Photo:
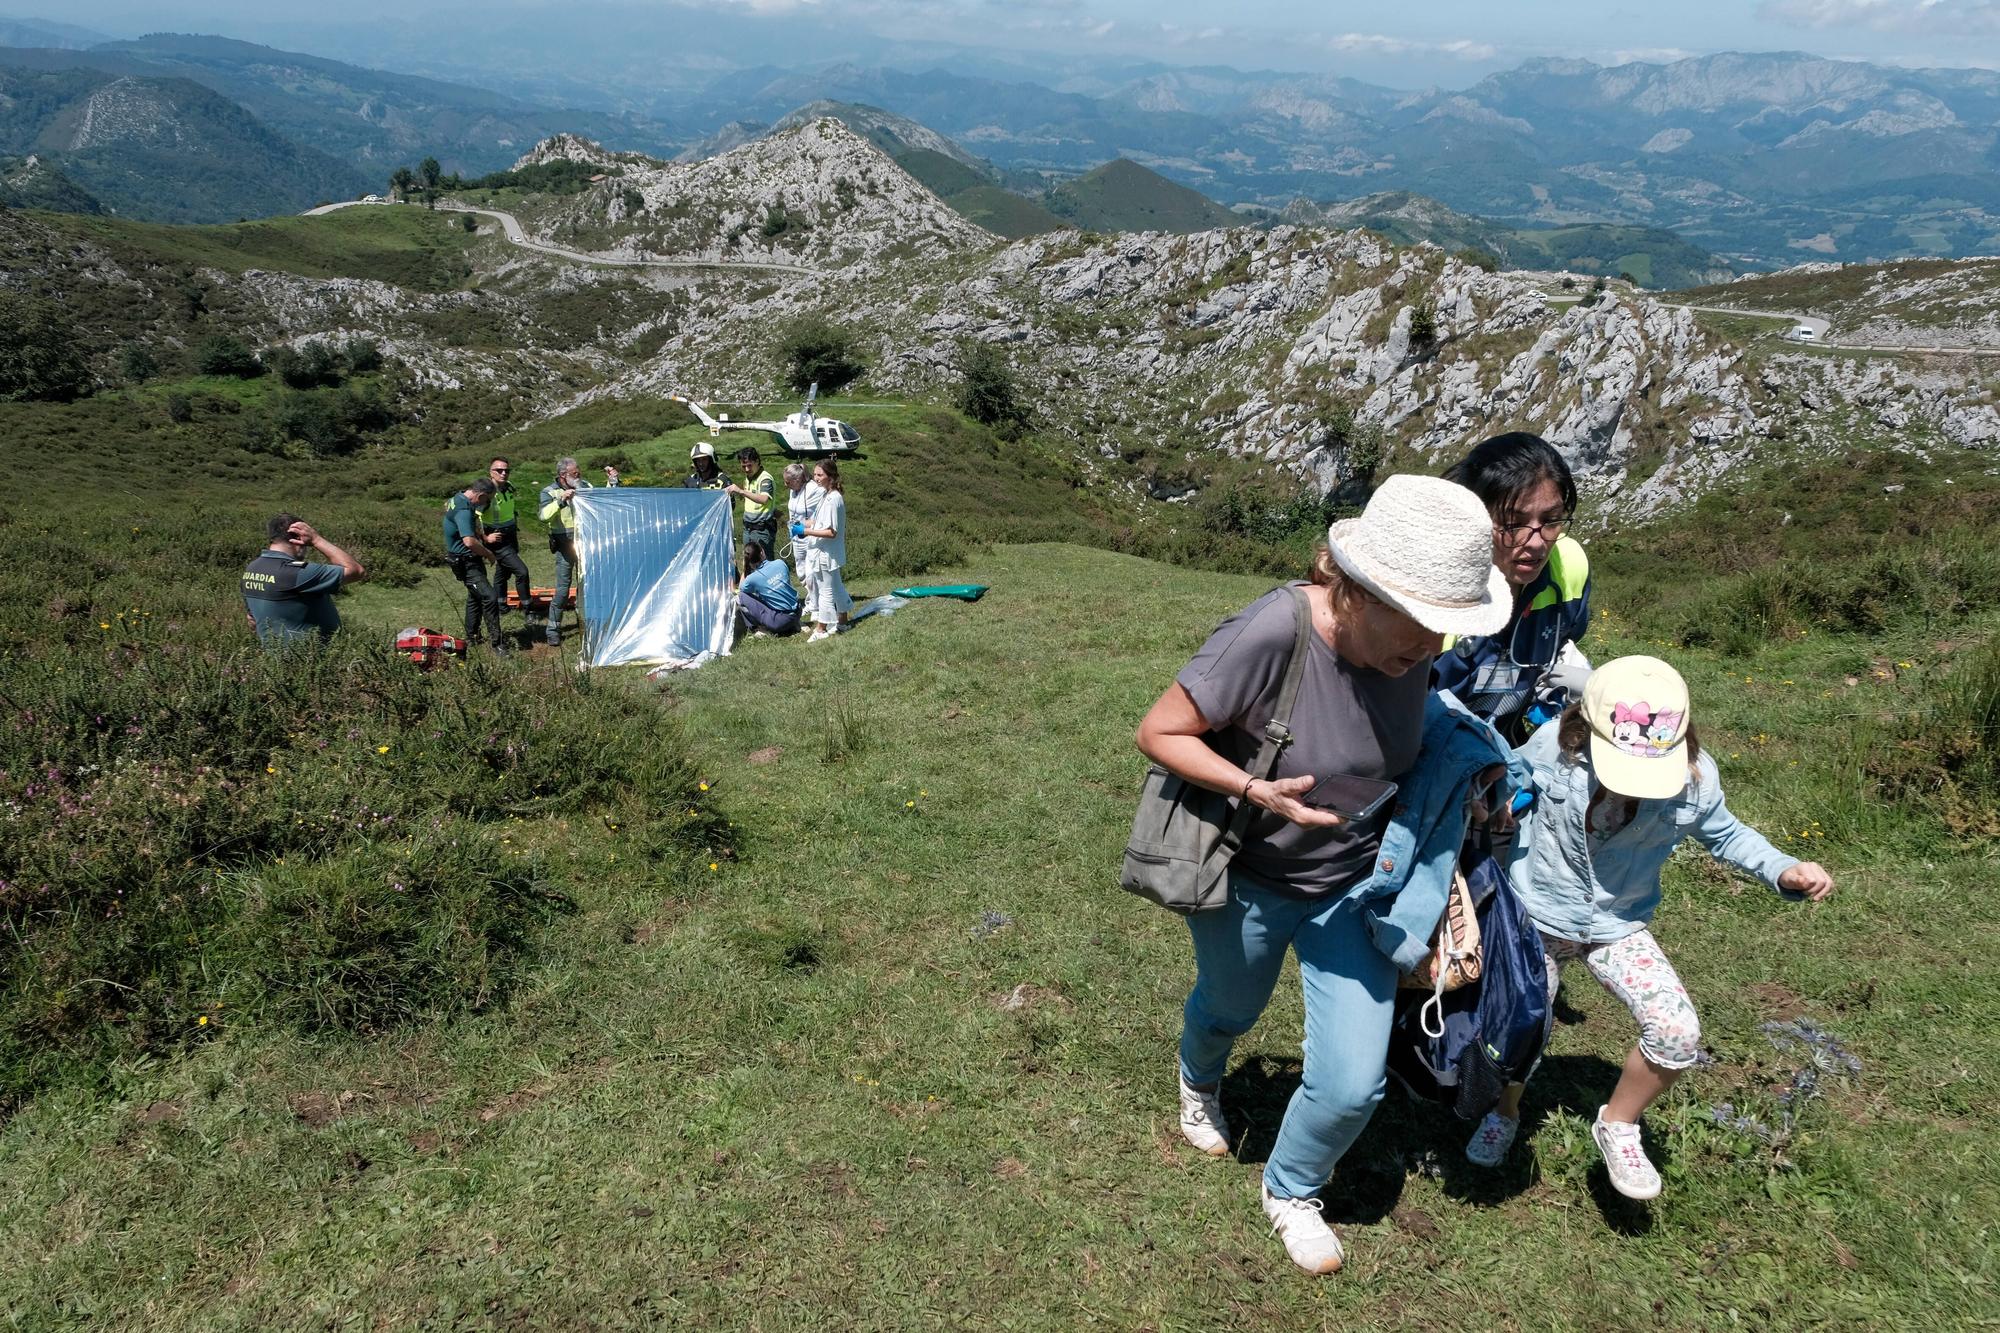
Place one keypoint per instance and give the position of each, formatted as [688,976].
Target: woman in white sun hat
[1384,590]
[1619,781]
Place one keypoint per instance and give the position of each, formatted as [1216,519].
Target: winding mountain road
[1820,329]
[510,227]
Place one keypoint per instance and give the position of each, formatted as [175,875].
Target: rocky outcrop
[1897,403]
[817,194]
[1284,346]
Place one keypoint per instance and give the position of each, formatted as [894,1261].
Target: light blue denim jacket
[1590,890]
[1405,895]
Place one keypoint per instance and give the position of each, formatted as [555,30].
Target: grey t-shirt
[1347,719]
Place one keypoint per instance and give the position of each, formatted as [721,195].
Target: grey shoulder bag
[1184,836]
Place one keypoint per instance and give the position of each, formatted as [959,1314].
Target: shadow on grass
[1408,1136]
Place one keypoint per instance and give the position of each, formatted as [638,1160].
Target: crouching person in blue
[765,599]
[288,598]
[1355,901]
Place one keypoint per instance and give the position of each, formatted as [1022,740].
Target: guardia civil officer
[760,513]
[503,535]
[289,598]
[469,553]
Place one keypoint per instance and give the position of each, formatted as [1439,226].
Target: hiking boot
[1308,1239]
[502,650]
[1202,1124]
[1632,1172]
[1491,1140]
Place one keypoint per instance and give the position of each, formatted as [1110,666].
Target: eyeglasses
[1548,529]
[499,469]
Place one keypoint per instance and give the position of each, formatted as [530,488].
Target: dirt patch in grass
[1776,1000]
[1028,995]
[319,1109]
[513,1103]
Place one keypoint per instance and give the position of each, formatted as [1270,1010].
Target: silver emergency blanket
[655,583]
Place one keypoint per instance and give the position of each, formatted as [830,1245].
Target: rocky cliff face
[818,195]
[1274,345]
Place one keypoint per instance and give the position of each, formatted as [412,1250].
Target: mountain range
[1762,159]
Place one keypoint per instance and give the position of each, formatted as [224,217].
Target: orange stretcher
[539,599]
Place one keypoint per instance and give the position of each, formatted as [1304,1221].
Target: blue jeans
[1349,990]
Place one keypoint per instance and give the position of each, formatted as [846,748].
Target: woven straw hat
[1424,545]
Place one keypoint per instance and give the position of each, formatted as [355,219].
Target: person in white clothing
[804,497]
[827,530]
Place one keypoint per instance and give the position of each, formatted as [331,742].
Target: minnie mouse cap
[1637,708]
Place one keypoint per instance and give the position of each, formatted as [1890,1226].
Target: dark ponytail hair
[1502,469]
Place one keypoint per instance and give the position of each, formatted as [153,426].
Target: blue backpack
[1493,1029]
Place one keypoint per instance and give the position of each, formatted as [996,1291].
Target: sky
[1449,43]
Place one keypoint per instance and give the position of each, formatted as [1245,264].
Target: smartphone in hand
[1350,797]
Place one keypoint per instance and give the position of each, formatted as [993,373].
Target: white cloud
[1380,44]
[1649,55]
[1963,17]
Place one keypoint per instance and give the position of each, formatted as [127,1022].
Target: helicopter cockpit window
[848,435]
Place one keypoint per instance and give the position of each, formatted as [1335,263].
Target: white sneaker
[1491,1140]
[1308,1239]
[817,636]
[1202,1124]
[1632,1172]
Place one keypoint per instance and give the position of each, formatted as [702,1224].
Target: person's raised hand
[1808,878]
[302,532]
[1282,798]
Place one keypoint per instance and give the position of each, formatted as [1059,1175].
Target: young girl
[1619,781]
[828,530]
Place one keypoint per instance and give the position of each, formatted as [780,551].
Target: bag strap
[1277,735]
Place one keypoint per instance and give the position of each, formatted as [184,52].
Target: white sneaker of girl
[1202,1124]
[1308,1239]
[1632,1172]
[1491,1140]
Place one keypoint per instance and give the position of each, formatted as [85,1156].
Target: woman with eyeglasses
[1523,675]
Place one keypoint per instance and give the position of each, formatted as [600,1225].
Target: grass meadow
[799,991]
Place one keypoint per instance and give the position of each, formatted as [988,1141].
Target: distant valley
[1759,160]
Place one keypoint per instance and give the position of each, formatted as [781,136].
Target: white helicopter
[799,433]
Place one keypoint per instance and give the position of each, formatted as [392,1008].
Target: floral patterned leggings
[1638,973]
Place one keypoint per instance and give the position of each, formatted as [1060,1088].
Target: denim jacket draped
[1405,894]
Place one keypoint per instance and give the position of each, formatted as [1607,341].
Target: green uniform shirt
[460,522]
[499,511]
[757,511]
[290,599]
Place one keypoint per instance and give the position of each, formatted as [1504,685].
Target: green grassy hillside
[1915,293]
[28,182]
[1651,256]
[338,994]
[166,149]
[1121,195]
[842,991]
